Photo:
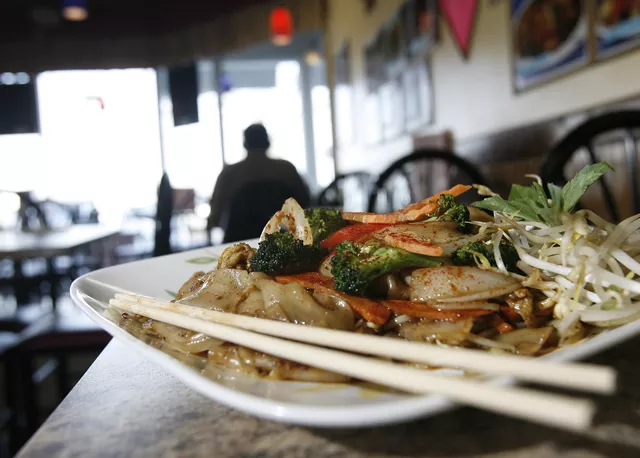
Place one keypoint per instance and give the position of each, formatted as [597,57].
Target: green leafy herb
[203,260]
[574,189]
[531,203]
[173,294]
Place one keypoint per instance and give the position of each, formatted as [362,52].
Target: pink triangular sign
[460,15]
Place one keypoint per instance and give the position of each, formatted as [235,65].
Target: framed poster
[418,96]
[372,125]
[549,40]
[393,46]
[420,26]
[412,105]
[616,27]
[344,97]
[392,108]
[374,62]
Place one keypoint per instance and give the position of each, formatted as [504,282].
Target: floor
[48,398]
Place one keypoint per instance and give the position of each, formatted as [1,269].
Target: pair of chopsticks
[283,340]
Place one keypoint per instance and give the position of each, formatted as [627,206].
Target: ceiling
[25,20]
[301,43]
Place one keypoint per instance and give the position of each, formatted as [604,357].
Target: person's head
[256,139]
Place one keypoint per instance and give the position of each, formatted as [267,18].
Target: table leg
[29,396]
[62,375]
[11,380]
[20,290]
[53,282]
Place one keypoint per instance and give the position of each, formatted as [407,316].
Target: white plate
[312,404]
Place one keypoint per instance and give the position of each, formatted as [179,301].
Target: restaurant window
[100,139]
[322,134]
[264,92]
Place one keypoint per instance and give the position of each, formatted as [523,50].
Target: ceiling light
[313,58]
[75,10]
[22,78]
[8,78]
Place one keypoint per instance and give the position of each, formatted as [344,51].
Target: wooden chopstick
[548,409]
[586,377]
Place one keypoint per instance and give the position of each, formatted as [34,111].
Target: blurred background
[118,116]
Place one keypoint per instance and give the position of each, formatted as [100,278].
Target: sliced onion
[627,261]
[292,218]
[488,343]
[185,340]
[615,317]
[527,341]
[488,294]
[459,284]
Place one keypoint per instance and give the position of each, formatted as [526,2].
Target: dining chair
[348,191]
[611,137]
[43,350]
[419,175]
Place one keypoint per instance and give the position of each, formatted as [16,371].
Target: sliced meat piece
[446,332]
[422,237]
[521,301]
[430,311]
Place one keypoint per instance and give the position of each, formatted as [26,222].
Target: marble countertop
[125,406]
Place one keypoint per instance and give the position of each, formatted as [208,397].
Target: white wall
[475,97]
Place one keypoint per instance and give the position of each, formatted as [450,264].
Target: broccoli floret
[466,255]
[280,253]
[450,210]
[355,266]
[324,222]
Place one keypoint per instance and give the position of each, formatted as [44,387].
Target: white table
[19,245]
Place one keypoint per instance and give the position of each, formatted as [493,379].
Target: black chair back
[592,137]
[419,175]
[164,213]
[349,191]
[248,211]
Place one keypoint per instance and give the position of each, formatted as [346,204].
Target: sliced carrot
[409,213]
[408,216]
[501,325]
[420,310]
[456,191]
[308,279]
[412,243]
[352,232]
[510,314]
[368,309]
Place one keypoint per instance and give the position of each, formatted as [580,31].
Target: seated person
[257,168]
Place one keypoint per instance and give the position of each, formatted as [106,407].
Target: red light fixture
[281,26]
